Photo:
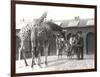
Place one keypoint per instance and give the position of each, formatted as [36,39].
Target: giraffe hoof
[34,63]
[40,66]
[31,66]
[46,64]
[26,64]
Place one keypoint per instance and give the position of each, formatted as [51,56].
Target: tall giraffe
[27,32]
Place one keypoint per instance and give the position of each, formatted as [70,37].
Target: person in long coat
[80,45]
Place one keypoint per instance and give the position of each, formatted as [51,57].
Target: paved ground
[55,64]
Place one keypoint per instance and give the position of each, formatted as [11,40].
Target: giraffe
[26,33]
[50,30]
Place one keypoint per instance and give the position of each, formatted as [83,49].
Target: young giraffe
[26,33]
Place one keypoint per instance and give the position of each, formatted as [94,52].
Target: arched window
[90,43]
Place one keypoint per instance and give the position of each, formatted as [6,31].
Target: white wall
[5,38]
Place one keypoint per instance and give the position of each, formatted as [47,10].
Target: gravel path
[55,65]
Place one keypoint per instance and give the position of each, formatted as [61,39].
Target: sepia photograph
[54,38]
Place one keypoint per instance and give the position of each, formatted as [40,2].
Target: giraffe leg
[39,54]
[58,55]
[33,55]
[46,52]
[23,53]
[20,49]
[61,54]
[39,60]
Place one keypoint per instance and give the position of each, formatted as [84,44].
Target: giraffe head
[44,15]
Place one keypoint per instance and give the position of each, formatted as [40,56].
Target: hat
[79,32]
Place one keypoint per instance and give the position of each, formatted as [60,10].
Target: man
[73,45]
[80,45]
[70,45]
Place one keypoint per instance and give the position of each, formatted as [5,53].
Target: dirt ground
[55,65]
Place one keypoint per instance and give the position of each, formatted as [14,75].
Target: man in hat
[80,45]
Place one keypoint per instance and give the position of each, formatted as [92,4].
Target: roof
[73,23]
[77,23]
[90,22]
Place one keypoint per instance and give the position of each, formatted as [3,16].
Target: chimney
[77,18]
